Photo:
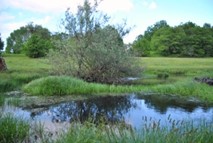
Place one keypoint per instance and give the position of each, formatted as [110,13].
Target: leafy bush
[92,50]
[37,47]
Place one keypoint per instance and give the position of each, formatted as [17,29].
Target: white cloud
[152,5]
[42,6]
[7,28]
[112,6]
[50,10]
[4,16]
[149,4]
[55,6]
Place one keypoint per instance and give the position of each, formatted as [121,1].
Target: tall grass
[179,132]
[13,130]
[64,85]
[2,98]
[186,88]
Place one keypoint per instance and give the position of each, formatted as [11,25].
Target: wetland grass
[2,99]
[64,85]
[161,75]
[21,70]
[13,130]
[178,131]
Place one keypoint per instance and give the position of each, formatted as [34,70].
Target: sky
[139,14]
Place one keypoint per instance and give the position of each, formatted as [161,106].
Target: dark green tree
[186,40]
[36,46]
[2,61]
[152,29]
[142,45]
[1,44]
[207,25]
[18,37]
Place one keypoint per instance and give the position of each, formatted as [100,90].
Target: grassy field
[179,66]
[161,75]
[21,70]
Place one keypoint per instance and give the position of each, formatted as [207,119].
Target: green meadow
[166,76]
[160,75]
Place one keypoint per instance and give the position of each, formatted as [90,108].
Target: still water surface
[132,109]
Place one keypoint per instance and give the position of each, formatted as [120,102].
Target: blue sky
[139,13]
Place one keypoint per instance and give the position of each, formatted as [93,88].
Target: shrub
[92,50]
[37,47]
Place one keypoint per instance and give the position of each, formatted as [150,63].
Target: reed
[13,130]
[151,132]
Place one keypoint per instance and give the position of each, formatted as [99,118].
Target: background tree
[93,49]
[142,45]
[185,40]
[37,47]
[1,44]
[19,37]
[2,61]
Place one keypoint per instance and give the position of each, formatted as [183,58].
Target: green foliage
[84,133]
[181,71]
[63,85]
[186,88]
[19,37]
[142,45]
[93,50]
[2,99]
[13,130]
[1,44]
[185,40]
[21,70]
[37,47]
[163,75]
[180,131]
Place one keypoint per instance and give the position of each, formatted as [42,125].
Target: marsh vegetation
[88,83]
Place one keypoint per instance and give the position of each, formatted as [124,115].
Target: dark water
[130,109]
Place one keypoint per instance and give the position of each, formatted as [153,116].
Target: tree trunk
[3,65]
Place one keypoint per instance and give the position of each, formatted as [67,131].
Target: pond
[134,110]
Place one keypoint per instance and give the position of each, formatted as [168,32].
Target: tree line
[184,40]
[33,40]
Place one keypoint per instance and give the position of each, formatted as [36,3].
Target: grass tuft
[13,130]
[150,133]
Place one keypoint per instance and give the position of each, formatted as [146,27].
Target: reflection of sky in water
[136,116]
[131,109]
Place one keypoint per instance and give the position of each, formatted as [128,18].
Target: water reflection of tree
[161,103]
[110,109]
